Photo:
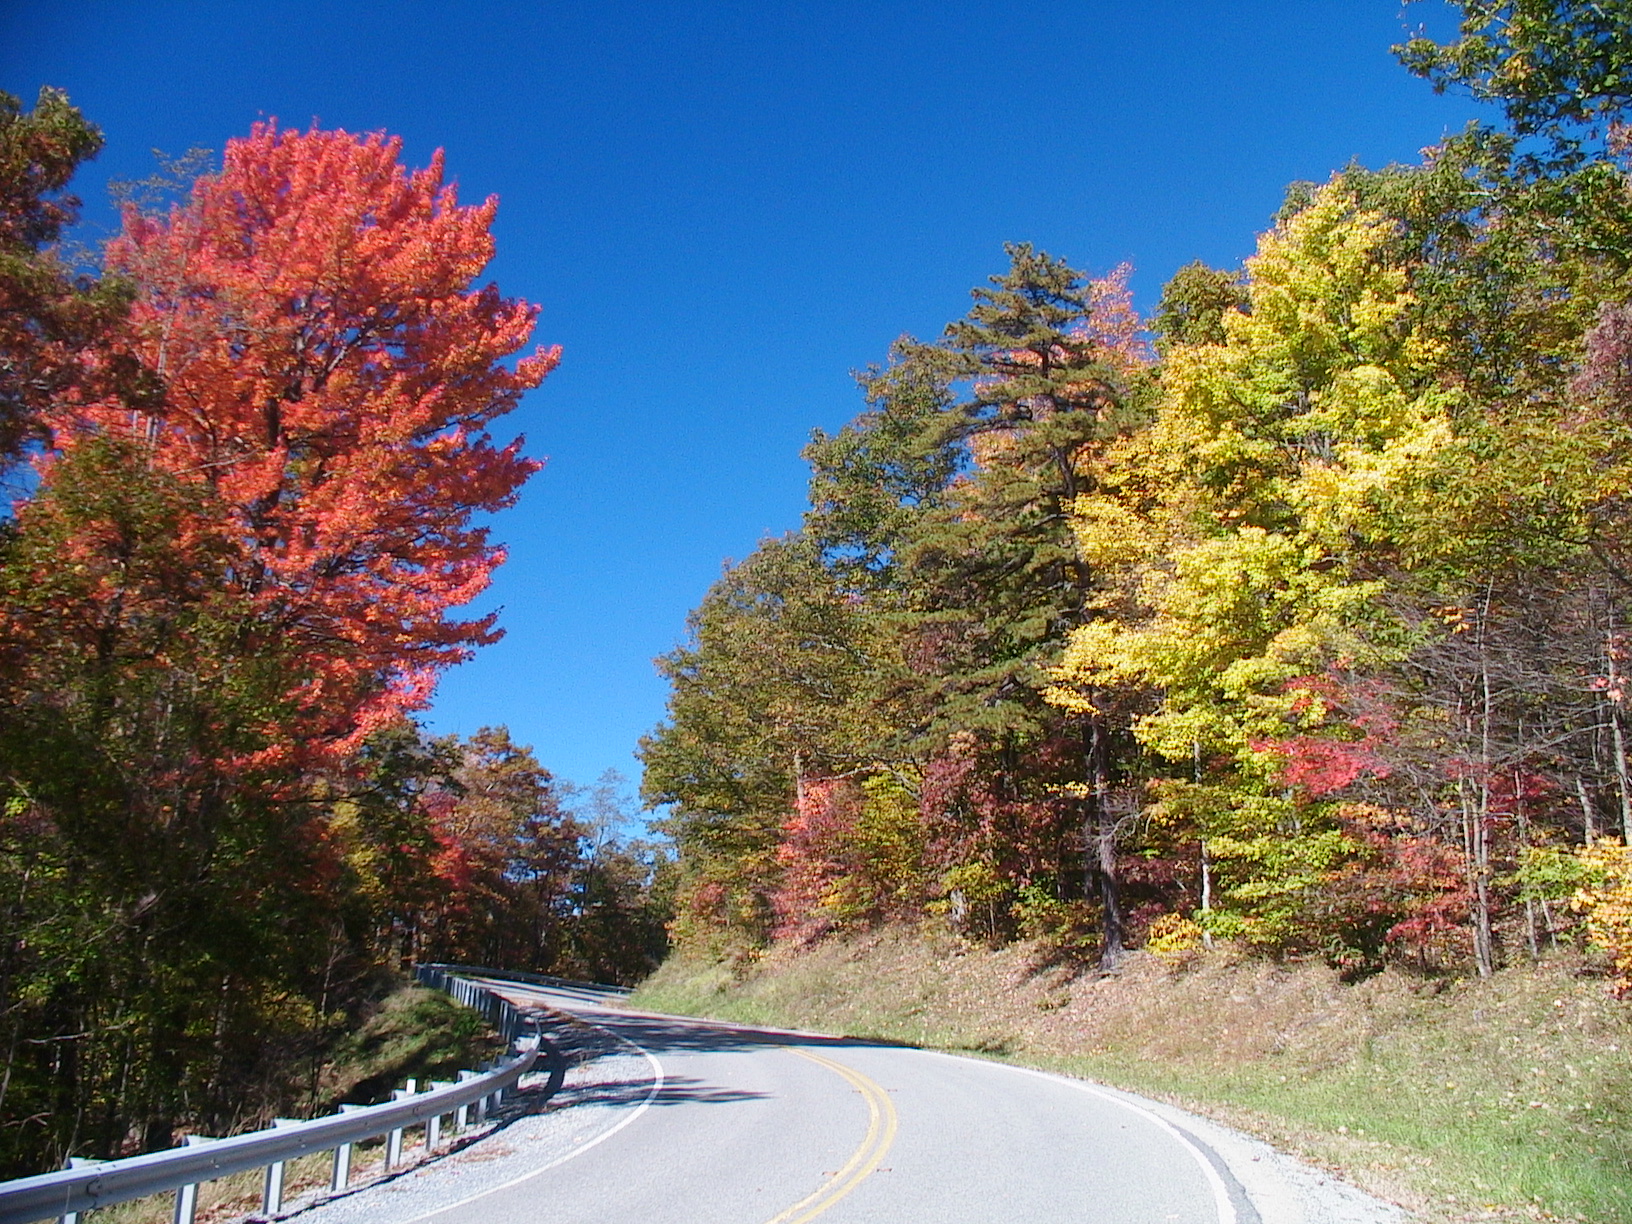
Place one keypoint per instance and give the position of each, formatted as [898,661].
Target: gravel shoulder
[604,1083]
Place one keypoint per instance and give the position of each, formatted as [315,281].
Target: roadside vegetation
[244,462]
[1505,1098]
[1229,703]
[408,1033]
[1295,615]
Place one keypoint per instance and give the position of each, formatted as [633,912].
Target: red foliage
[1321,767]
[330,375]
[1115,327]
[1012,814]
[1432,875]
[1404,892]
[1606,374]
[1361,724]
[814,855]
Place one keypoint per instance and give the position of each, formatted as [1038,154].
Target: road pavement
[662,1120]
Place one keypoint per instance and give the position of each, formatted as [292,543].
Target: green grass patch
[415,1033]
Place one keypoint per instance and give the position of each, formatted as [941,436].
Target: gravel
[1282,1190]
[604,1084]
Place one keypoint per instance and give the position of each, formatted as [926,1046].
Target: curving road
[663,1120]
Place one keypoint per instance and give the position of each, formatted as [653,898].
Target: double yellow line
[881,1123]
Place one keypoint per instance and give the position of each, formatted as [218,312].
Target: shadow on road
[676,1090]
[660,1033]
[574,1043]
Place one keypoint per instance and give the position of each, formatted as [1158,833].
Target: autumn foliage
[1294,621]
[331,370]
[262,460]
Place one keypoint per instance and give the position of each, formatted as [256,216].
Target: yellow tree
[1252,527]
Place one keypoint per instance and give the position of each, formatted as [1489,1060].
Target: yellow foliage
[1234,534]
[1607,903]
[1110,536]
[1174,938]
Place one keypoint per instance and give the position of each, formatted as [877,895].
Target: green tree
[1047,369]
[1560,71]
[50,319]
[781,681]
[195,888]
[1194,304]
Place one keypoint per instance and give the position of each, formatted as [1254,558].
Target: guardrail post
[342,1159]
[75,1162]
[433,1124]
[393,1141]
[461,1116]
[272,1190]
[187,1196]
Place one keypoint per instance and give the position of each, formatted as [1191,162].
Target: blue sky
[723,209]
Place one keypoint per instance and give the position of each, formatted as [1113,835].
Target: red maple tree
[330,372]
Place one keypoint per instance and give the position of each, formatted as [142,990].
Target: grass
[1505,1099]
[415,1033]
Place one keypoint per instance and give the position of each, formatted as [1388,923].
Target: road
[690,1122]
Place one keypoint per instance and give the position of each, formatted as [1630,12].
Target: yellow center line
[881,1123]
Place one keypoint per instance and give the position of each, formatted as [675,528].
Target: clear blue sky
[725,208]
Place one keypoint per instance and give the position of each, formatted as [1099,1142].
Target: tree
[510,855]
[330,375]
[1194,304]
[783,680]
[216,591]
[1560,71]
[1050,366]
[934,579]
[1244,535]
[50,320]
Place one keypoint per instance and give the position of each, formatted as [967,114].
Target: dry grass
[238,1196]
[1509,1099]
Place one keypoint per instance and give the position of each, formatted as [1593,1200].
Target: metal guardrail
[516,975]
[500,1011]
[89,1184]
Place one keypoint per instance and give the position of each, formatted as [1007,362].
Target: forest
[1296,616]
[248,459]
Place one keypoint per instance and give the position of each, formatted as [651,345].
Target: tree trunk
[1476,816]
[1619,737]
[1101,845]
[1589,828]
[1476,849]
[1617,732]
[1206,892]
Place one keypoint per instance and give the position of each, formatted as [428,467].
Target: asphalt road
[707,1123]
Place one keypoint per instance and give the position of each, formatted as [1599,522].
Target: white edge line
[657,1086]
[1221,1192]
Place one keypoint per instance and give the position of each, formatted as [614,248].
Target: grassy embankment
[413,1033]
[1507,1099]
